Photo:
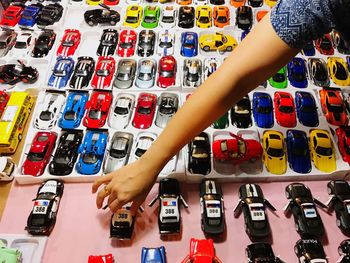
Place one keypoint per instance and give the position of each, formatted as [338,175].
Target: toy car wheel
[340,251]
[287,195]
[206,48]
[91,23]
[297,228]
[296,250]
[112,23]
[338,222]
[229,49]
[20,137]
[329,190]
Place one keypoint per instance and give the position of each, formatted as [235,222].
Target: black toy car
[344,251]
[255,3]
[217,2]
[212,208]
[241,113]
[101,16]
[49,15]
[145,46]
[169,217]
[82,73]
[66,153]
[252,203]
[44,44]
[261,252]
[308,222]
[244,17]
[14,73]
[42,218]
[309,251]
[108,42]
[340,43]
[186,17]
[339,191]
[199,154]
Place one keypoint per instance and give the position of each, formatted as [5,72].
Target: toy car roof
[209,187]
[250,191]
[169,186]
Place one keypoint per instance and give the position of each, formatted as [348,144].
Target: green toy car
[222,122]
[9,255]
[279,80]
[151,16]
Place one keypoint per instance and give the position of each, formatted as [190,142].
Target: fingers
[135,205]
[115,205]
[102,194]
[102,180]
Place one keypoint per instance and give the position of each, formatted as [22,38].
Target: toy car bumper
[169,228]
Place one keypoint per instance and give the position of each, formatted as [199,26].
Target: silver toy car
[7,41]
[318,72]
[143,142]
[192,73]
[125,75]
[168,105]
[120,116]
[7,166]
[146,73]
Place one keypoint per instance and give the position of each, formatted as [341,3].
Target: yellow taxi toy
[274,155]
[203,16]
[338,71]
[217,41]
[133,16]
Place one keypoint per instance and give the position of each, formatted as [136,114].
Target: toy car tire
[206,48]
[112,23]
[229,49]
[340,251]
[91,23]
[20,137]
[338,222]
[287,194]
[329,190]
[297,228]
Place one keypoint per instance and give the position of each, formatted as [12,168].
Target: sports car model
[338,71]
[125,74]
[306,109]
[244,17]
[343,134]
[217,41]
[39,153]
[7,41]
[261,13]
[168,16]
[274,155]
[184,2]
[122,223]
[101,16]
[221,16]
[318,72]
[261,252]
[103,73]
[118,153]
[333,107]
[69,43]
[151,16]
[121,114]
[146,73]
[262,110]
[297,73]
[7,167]
[284,109]
[298,151]
[217,2]
[166,42]
[11,15]
[309,49]
[146,43]
[255,3]
[169,196]
[30,15]
[97,109]
[43,216]
[324,45]
[199,155]
[186,17]
[144,111]
[24,44]
[49,15]
[91,151]
[203,16]
[279,80]
[309,251]
[61,72]
[303,207]
[340,43]
[4,97]
[74,110]
[344,251]
[101,259]
[44,44]
[127,43]
[189,44]
[13,73]
[210,66]
[237,3]
[149,255]
[222,122]
[167,68]
[82,73]
[192,73]
[168,105]
[133,16]
[201,250]
[143,141]
[241,113]
[108,42]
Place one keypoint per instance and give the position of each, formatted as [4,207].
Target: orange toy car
[237,3]
[221,16]
[333,107]
[260,15]
[184,2]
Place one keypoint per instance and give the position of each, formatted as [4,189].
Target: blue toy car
[189,44]
[92,151]
[262,110]
[61,72]
[244,34]
[298,151]
[306,109]
[153,255]
[74,110]
[348,62]
[297,73]
[29,15]
[309,49]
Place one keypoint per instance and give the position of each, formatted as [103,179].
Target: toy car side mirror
[319,203]
[269,205]
[183,201]
[153,201]
[287,208]
[238,209]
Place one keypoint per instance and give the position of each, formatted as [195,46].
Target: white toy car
[146,73]
[143,142]
[49,111]
[166,42]
[200,2]
[210,66]
[168,17]
[7,166]
[24,44]
[121,114]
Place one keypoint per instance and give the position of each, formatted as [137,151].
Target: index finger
[102,180]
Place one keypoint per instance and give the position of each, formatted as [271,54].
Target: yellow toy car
[338,71]
[274,155]
[322,151]
[94,2]
[217,41]
[271,3]
[203,16]
[133,16]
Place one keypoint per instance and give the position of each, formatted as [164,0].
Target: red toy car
[101,259]
[343,134]
[166,72]
[236,149]
[127,42]
[111,2]
[97,109]
[285,109]
[324,45]
[69,43]
[4,97]
[11,16]
[39,154]
[333,107]
[103,73]
[145,109]
[201,251]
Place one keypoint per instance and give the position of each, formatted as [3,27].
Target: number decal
[169,211]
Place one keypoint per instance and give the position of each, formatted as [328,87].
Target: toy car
[144,140]
[186,17]
[11,15]
[274,155]
[30,15]
[189,44]
[217,2]
[13,73]
[221,16]
[69,43]
[237,3]
[166,42]
[149,255]
[217,41]
[333,107]
[74,110]
[318,72]
[203,16]
[4,97]
[255,3]
[24,44]
[146,43]
[169,196]
[340,43]
[279,80]
[8,254]
[338,71]
[244,17]
[127,43]
[7,167]
[199,155]
[168,16]
[284,109]
[184,2]
[91,151]
[44,44]
[43,216]
[297,73]
[121,114]
[101,16]
[309,49]
[298,151]
[324,45]
[241,113]
[146,73]
[108,42]
[306,109]
[302,205]
[168,105]
[151,16]
[133,16]
[97,109]
[61,72]
[144,111]
[201,250]
[310,250]
[262,110]
[7,41]
[104,72]
[344,251]
[49,15]
[101,259]
[82,73]
[210,66]
[222,122]
[122,223]
[167,68]
[192,73]
[125,74]
[261,13]
[343,135]
[261,252]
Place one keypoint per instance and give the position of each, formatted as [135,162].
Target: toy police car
[344,251]
[261,252]
[310,251]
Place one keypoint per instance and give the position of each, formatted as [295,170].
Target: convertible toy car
[151,16]
[261,252]
[39,153]
[166,42]
[302,205]
[210,66]
[24,44]
[127,43]
[318,72]
[340,43]
[43,216]
[274,155]
[101,259]
[133,16]
[217,41]
[4,97]
[146,43]
[201,250]
[104,72]
[125,74]
[149,255]
[203,16]
[241,113]
[262,110]
[143,141]
[13,73]
[108,42]
[212,204]
[44,44]
[101,16]
[97,109]
[333,107]
[69,43]
[297,73]
[244,17]
[30,15]
[169,217]
[11,15]
[221,16]
[49,15]
[252,203]
[306,109]
[146,73]
[168,105]
[343,134]
[91,151]
[189,44]
[144,111]
[167,68]
[192,73]
[121,114]
[338,71]
[168,16]
[279,80]
[324,45]
[7,41]
[298,152]
[82,73]
[199,155]
[344,251]
[186,17]
[309,251]
[284,109]
[7,167]
[61,72]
